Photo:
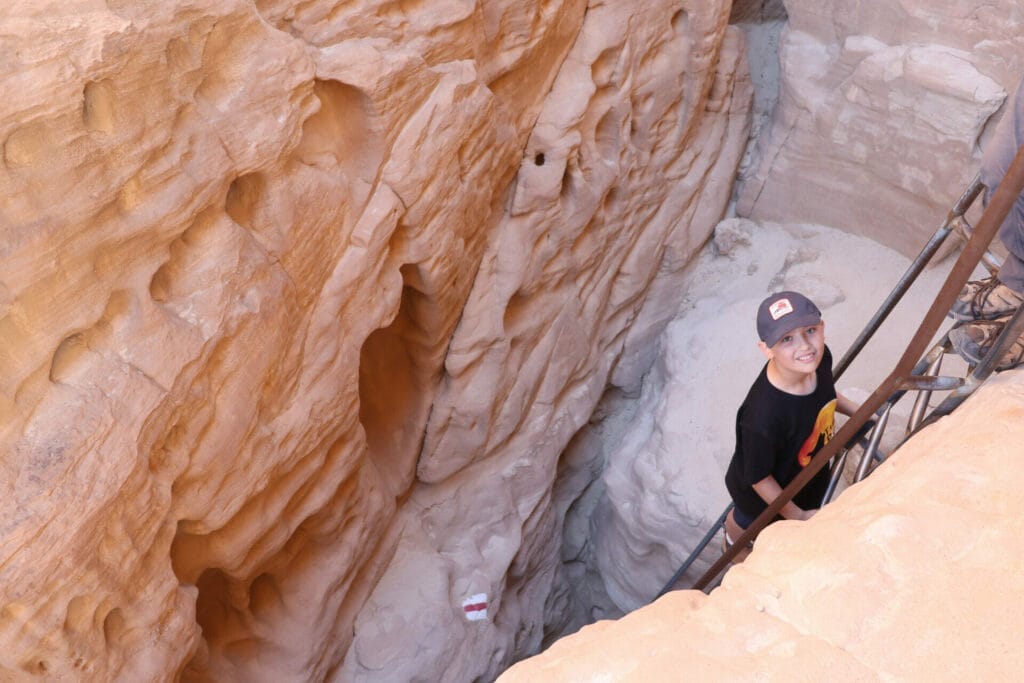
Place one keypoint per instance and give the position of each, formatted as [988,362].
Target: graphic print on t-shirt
[824,427]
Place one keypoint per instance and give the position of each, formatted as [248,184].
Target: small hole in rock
[539,159]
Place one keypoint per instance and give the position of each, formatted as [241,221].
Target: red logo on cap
[780,308]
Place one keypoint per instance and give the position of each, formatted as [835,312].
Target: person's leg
[733,530]
[989,306]
[1011,273]
[972,340]
[992,297]
[998,296]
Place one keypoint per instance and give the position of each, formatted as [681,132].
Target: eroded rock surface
[579,275]
[301,302]
[887,101]
[913,574]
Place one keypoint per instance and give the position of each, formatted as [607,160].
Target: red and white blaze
[475,607]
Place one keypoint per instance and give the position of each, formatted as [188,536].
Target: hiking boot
[974,339]
[986,299]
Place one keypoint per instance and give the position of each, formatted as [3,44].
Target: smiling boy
[787,416]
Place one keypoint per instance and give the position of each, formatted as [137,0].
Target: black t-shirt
[778,433]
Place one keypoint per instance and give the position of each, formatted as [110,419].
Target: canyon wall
[302,301]
[911,575]
[882,100]
[876,133]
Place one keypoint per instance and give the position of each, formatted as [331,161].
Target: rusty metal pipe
[834,476]
[994,215]
[921,404]
[928,383]
[963,230]
[967,198]
[696,552]
[911,274]
[872,450]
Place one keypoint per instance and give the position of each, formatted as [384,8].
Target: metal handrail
[923,397]
[952,222]
[876,440]
[963,230]
[696,552]
[863,436]
[1002,200]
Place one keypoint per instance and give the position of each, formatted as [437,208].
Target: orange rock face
[913,574]
[300,303]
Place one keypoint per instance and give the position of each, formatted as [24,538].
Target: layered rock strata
[301,302]
[882,100]
[913,574]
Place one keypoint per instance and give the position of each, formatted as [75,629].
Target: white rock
[881,109]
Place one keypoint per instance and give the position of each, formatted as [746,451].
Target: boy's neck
[797,383]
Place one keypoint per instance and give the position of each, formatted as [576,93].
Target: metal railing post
[696,552]
[876,439]
[1001,202]
[911,274]
[923,397]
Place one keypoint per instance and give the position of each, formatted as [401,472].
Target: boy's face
[799,350]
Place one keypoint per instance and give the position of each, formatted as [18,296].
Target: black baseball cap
[783,312]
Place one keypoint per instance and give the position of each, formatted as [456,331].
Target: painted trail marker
[475,607]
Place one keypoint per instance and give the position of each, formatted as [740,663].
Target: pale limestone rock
[913,574]
[731,234]
[816,286]
[885,101]
[256,255]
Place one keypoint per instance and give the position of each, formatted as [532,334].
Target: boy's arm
[769,489]
[845,405]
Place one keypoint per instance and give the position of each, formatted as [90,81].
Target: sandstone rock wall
[887,101]
[623,176]
[300,303]
[912,575]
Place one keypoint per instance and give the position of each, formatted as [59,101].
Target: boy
[787,416]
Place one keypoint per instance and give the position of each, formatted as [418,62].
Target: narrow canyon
[393,340]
